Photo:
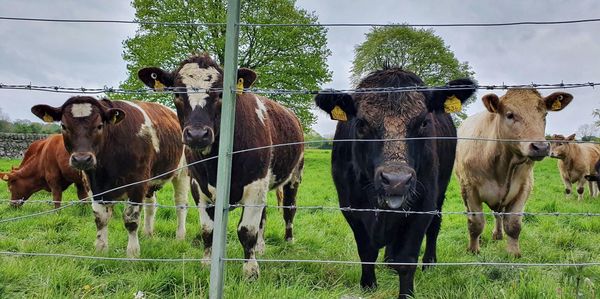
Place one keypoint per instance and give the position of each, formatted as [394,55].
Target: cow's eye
[99,127]
[62,127]
[425,123]
[510,115]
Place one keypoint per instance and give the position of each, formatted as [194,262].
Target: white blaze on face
[146,128]
[202,79]
[261,111]
[81,110]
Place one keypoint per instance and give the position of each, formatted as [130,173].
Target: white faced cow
[501,173]
[118,143]
[259,122]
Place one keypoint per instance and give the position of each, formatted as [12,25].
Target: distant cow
[259,122]
[393,175]
[118,143]
[45,166]
[501,173]
[595,177]
[575,161]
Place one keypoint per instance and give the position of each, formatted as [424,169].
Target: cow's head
[83,122]
[560,147]
[521,115]
[198,83]
[390,168]
[20,188]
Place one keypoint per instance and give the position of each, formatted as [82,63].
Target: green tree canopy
[283,57]
[416,50]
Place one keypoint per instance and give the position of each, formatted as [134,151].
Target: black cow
[260,122]
[393,175]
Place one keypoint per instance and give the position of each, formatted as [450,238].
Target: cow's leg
[207,216]
[433,230]
[83,192]
[290,191]
[568,186]
[260,242]
[512,224]
[366,251]
[593,190]
[475,222]
[102,213]
[131,218]
[580,188]
[255,198]
[181,188]
[497,234]
[149,213]
[56,194]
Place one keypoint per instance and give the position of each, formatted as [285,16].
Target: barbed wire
[104,258]
[384,90]
[142,22]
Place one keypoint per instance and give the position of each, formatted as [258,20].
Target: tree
[416,50]
[587,131]
[596,113]
[284,57]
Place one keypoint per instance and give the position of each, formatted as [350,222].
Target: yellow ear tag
[239,88]
[556,105]
[158,85]
[47,118]
[338,114]
[114,118]
[452,105]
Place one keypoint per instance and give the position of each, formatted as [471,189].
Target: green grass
[320,234]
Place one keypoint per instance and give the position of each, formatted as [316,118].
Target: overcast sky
[89,55]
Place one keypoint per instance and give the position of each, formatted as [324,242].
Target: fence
[225,147]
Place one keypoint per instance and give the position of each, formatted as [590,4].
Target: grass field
[320,234]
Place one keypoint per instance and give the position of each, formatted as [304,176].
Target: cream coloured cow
[575,161]
[500,174]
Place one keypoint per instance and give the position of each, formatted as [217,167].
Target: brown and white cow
[45,166]
[259,122]
[575,161]
[117,143]
[501,173]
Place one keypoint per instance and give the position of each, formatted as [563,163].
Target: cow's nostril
[385,179]
[534,147]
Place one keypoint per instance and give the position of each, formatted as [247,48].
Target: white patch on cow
[102,214]
[146,129]
[261,111]
[255,197]
[131,214]
[81,110]
[206,223]
[149,213]
[202,79]
[181,188]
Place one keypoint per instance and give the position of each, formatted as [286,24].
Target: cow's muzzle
[198,137]
[82,160]
[396,185]
[538,150]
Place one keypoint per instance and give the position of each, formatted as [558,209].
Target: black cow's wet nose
[538,150]
[82,161]
[197,137]
[395,183]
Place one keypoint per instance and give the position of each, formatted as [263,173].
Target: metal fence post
[217,266]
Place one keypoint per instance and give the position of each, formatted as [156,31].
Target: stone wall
[13,145]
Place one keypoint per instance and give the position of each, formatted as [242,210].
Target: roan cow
[500,173]
[119,143]
[45,166]
[393,175]
[259,122]
[575,161]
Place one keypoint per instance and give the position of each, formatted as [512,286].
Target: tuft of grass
[319,234]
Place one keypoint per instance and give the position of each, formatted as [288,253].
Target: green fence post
[217,266]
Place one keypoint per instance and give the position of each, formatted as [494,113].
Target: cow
[259,122]
[500,173]
[370,171]
[596,176]
[127,150]
[45,166]
[575,161]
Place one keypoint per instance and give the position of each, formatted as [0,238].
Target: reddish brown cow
[45,166]
[126,149]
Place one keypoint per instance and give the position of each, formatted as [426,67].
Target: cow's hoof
[260,247]
[497,236]
[251,270]
[148,232]
[290,240]
[207,256]
[368,285]
[180,235]
[133,252]
[429,263]
[473,250]
[101,247]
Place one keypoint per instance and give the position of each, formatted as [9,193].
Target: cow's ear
[571,137]
[47,113]
[114,115]
[558,100]
[491,102]
[340,106]
[248,77]
[156,78]
[4,176]
[450,101]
